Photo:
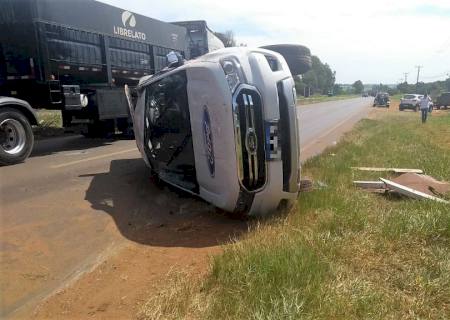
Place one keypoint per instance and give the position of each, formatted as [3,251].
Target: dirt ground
[122,282]
[117,288]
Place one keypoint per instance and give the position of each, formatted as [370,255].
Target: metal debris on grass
[395,170]
[410,183]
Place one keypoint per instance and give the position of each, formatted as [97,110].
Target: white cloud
[375,41]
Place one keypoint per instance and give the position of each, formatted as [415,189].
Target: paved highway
[78,200]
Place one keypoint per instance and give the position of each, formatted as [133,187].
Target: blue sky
[373,41]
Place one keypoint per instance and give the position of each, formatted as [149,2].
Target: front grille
[249,136]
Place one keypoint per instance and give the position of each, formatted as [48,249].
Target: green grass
[322,98]
[343,253]
[50,123]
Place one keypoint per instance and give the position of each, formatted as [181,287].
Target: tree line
[319,80]
[432,88]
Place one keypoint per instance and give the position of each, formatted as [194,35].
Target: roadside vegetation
[342,253]
[323,98]
[319,80]
[50,123]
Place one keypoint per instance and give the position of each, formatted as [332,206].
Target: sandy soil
[122,282]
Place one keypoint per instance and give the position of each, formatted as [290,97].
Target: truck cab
[225,128]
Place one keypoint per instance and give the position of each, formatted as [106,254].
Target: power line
[437,76]
[406,76]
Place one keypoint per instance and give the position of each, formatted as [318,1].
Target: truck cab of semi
[223,127]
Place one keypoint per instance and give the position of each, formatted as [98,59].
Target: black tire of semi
[7,158]
[297,57]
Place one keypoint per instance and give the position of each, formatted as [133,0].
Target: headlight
[83,100]
[233,72]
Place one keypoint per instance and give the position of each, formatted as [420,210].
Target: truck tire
[297,57]
[16,137]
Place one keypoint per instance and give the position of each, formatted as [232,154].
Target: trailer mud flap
[111,104]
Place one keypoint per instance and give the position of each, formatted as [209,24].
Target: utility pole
[406,76]
[418,72]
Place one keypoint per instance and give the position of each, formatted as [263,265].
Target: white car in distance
[410,101]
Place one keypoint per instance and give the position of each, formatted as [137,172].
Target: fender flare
[22,106]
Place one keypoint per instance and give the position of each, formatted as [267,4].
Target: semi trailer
[76,56]
[200,38]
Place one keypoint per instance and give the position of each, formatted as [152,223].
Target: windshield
[409,96]
[168,136]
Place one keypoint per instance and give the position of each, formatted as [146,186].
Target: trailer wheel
[297,57]
[16,137]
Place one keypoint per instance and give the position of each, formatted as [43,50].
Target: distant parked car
[410,101]
[382,100]
[443,100]
[365,94]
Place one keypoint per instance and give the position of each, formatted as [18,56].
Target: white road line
[92,158]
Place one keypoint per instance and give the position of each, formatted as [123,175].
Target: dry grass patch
[343,253]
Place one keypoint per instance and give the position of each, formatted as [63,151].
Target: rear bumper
[408,106]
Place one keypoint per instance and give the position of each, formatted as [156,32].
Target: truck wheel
[16,137]
[297,57]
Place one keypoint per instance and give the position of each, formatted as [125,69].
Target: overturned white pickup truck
[223,127]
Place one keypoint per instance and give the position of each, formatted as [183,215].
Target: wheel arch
[24,108]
